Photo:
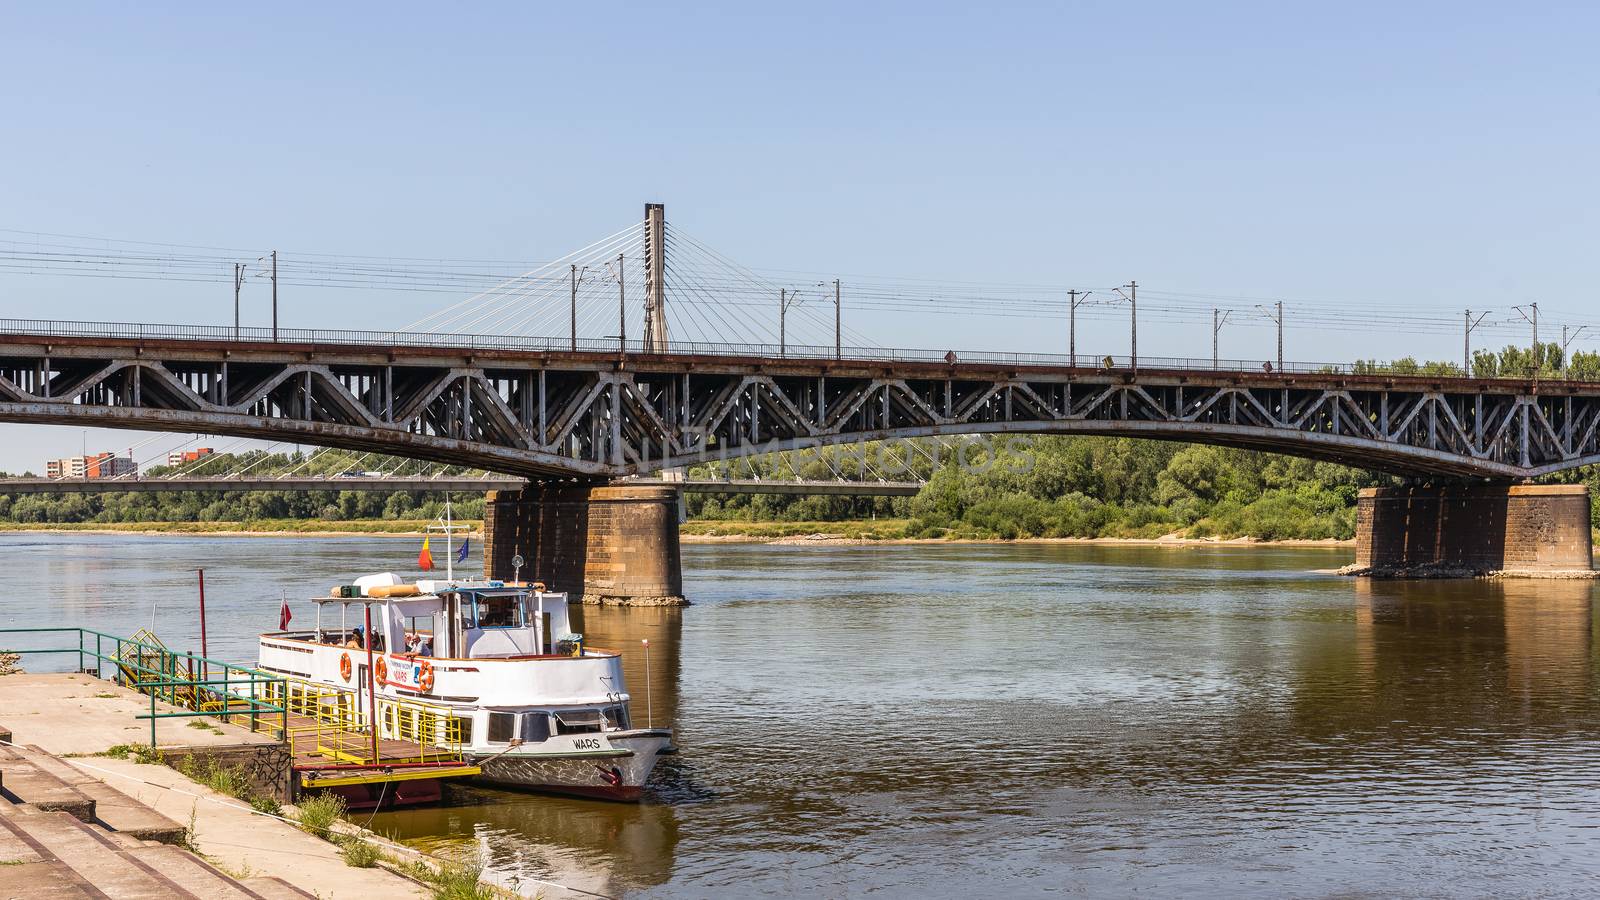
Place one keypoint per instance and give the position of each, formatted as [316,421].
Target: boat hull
[619,773]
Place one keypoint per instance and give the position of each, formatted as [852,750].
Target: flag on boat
[425,558]
[461,555]
[284,615]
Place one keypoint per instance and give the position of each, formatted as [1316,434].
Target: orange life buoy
[382,669]
[344,666]
[425,677]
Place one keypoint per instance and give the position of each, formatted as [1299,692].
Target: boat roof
[432,588]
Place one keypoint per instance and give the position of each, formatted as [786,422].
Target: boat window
[535,727]
[502,727]
[581,721]
[499,612]
[616,717]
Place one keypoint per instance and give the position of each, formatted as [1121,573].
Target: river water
[984,720]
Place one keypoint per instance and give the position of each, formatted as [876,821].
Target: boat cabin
[453,619]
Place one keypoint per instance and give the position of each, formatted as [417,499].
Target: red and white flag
[284,615]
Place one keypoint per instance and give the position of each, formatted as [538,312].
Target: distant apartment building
[95,465]
[179,457]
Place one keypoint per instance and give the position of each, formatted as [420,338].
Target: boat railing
[190,685]
[333,723]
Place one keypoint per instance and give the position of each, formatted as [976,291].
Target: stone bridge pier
[600,543]
[1516,529]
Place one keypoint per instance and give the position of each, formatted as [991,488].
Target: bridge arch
[594,416]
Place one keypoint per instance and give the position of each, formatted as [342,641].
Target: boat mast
[446,524]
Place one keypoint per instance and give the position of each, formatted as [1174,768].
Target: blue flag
[461,555]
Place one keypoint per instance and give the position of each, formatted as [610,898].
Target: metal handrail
[340,728]
[130,663]
[458,341]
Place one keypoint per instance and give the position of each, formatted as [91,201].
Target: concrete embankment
[64,833]
[71,816]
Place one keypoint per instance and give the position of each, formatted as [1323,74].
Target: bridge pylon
[655,277]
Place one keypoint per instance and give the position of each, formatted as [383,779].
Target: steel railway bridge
[578,417]
[518,408]
[572,420]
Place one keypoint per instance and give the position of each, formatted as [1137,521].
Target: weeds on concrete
[241,873]
[206,726]
[266,805]
[139,753]
[228,780]
[318,813]
[105,695]
[189,830]
[454,879]
[9,663]
[358,853]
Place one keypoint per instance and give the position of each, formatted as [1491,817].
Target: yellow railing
[330,722]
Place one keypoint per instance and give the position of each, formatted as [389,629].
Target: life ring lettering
[425,677]
[344,666]
[382,670]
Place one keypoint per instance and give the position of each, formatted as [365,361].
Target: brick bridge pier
[618,543]
[600,543]
[1517,529]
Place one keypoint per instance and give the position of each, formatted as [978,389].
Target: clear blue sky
[1437,155]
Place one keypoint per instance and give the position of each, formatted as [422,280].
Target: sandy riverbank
[825,538]
[809,533]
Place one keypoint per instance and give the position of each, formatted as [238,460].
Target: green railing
[198,686]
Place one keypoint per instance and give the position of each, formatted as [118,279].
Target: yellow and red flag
[425,558]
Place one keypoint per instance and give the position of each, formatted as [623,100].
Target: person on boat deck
[417,644]
[355,639]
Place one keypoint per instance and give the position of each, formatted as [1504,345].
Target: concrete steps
[96,860]
[64,834]
[45,879]
[192,873]
[112,808]
[21,781]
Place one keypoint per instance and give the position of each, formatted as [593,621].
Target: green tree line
[247,506]
[1541,360]
[1063,487]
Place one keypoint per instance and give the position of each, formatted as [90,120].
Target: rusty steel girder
[600,415]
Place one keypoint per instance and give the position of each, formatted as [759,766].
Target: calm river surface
[954,721]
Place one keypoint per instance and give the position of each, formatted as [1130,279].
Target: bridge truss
[599,414]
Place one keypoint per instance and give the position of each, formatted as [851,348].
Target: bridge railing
[369,339]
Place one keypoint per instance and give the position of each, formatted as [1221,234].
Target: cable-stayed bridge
[526,378]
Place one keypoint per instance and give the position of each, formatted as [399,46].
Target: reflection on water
[1016,720]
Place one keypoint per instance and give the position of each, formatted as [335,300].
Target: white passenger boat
[537,709]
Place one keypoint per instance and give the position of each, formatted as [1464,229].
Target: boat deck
[331,740]
[395,760]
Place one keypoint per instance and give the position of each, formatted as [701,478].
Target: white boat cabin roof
[461,618]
